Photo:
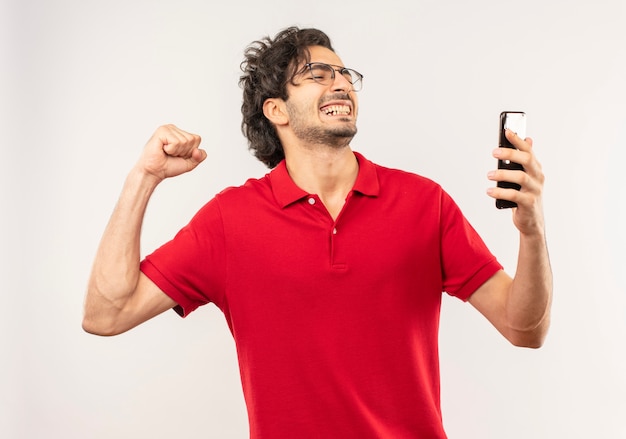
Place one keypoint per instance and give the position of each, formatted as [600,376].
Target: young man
[330,269]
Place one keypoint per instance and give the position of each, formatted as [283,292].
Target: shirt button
[335,231]
[311,201]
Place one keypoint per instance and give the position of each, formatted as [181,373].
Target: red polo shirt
[335,322]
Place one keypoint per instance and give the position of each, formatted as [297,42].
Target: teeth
[337,109]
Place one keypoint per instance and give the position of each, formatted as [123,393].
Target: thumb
[198,155]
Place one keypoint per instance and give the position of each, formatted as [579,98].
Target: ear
[274,110]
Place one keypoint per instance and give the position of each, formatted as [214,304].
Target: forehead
[322,54]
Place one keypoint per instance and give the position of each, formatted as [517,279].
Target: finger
[173,141]
[192,146]
[522,178]
[179,165]
[499,193]
[527,159]
[185,136]
[513,155]
[165,138]
[184,146]
[524,200]
[530,188]
[521,144]
[179,143]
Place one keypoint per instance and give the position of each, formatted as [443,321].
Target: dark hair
[268,66]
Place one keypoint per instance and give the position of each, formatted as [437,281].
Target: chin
[346,130]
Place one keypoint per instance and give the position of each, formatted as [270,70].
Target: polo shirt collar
[367,181]
[287,192]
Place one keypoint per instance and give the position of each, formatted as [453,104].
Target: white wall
[84,84]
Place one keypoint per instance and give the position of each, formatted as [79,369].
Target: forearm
[529,301]
[115,271]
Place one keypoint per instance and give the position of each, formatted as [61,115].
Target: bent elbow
[97,323]
[92,326]
[100,315]
[527,342]
[533,338]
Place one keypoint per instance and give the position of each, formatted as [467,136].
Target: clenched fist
[171,152]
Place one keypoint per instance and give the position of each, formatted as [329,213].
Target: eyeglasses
[325,74]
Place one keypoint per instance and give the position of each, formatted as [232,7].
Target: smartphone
[516,122]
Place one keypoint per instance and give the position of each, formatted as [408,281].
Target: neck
[329,172]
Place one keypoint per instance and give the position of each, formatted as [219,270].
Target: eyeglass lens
[324,73]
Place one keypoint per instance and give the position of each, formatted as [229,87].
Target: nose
[341,83]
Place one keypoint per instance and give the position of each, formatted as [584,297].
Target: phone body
[516,122]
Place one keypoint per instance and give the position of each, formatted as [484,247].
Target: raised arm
[119,297]
[520,307]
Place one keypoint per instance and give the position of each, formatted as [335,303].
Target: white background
[85,83]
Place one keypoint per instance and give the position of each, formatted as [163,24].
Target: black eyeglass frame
[334,68]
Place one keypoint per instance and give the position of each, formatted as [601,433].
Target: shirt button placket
[338,256]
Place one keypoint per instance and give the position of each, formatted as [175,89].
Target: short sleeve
[191,267]
[466,261]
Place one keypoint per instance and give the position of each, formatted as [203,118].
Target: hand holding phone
[516,122]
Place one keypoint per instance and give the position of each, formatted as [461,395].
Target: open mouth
[336,110]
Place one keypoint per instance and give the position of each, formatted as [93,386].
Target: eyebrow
[328,64]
